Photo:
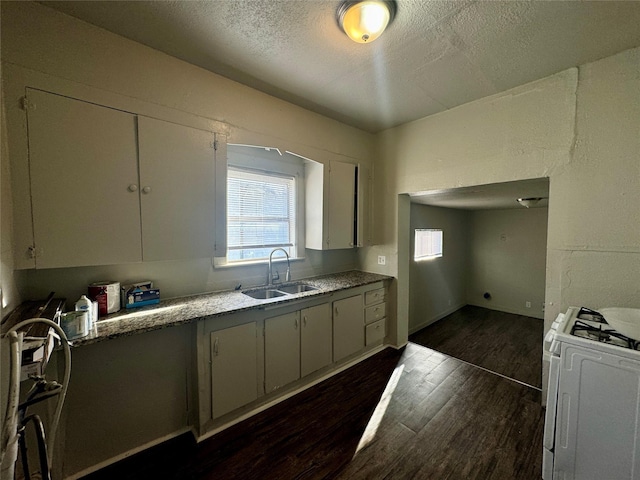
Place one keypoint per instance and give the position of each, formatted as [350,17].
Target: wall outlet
[527,304]
[382,260]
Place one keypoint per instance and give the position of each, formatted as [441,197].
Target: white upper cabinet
[364,207]
[341,212]
[177,187]
[84,184]
[337,205]
[110,187]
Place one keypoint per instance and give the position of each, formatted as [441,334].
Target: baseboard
[439,316]
[501,308]
[128,453]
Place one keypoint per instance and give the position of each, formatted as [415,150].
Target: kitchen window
[264,204]
[427,244]
[261,214]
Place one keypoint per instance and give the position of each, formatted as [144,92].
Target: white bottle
[85,305]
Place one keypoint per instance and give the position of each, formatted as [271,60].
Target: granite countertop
[177,311]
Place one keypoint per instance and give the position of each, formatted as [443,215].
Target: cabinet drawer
[374,296]
[375,332]
[375,312]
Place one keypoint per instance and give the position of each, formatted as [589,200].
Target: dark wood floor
[501,342]
[409,414]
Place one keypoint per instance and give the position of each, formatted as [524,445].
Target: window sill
[262,262]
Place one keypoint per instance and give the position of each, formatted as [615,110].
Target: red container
[98,293]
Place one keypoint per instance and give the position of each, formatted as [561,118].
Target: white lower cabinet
[281,350]
[296,344]
[315,339]
[375,313]
[348,327]
[375,332]
[233,368]
[246,357]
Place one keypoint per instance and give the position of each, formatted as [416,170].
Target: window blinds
[260,213]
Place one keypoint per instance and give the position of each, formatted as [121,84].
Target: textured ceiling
[434,56]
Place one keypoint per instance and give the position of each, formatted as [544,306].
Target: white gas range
[592,423]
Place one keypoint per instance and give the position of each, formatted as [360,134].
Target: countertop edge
[193,308]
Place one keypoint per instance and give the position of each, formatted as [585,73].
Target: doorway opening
[490,275]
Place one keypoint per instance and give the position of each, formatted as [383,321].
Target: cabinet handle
[337,313]
[133,187]
[146,189]
[296,323]
[216,343]
[304,320]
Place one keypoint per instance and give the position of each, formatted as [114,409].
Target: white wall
[594,215]
[46,49]
[500,251]
[9,292]
[508,251]
[438,286]
[581,129]
[123,394]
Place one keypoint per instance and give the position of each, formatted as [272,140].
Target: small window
[428,244]
[261,214]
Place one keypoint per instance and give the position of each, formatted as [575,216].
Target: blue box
[139,297]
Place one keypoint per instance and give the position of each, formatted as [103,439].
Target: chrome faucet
[270,274]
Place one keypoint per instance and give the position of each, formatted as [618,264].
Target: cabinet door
[348,327]
[233,368]
[315,180]
[364,208]
[177,182]
[281,350]
[84,182]
[342,181]
[315,341]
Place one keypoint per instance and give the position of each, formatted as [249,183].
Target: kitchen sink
[299,288]
[264,293]
[275,291]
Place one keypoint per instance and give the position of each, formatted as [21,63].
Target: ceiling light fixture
[364,21]
[530,201]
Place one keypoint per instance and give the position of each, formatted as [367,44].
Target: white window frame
[428,244]
[269,161]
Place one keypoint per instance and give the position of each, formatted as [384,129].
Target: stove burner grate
[601,334]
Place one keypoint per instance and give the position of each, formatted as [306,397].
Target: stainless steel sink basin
[299,288]
[264,293]
[275,291]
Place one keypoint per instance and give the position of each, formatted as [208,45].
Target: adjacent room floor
[503,343]
[402,414]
